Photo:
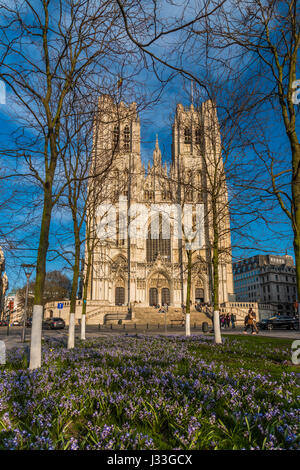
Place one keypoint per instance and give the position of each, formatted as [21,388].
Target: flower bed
[140,392]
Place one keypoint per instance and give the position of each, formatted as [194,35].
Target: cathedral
[152,269]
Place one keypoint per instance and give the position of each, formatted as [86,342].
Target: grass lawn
[153,392]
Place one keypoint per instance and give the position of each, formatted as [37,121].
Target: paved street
[92,331]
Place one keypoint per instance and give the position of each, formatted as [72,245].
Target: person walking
[248,322]
[255,332]
[228,320]
[232,318]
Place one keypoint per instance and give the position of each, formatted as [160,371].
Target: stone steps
[146,315]
[150,315]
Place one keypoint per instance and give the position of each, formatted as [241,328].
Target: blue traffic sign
[60,305]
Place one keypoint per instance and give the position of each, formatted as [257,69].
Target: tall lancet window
[187,135]
[159,242]
[126,138]
[116,138]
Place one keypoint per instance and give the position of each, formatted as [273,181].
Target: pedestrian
[228,320]
[233,319]
[248,322]
[254,322]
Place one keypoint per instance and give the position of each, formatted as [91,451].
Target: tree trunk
[188,294]
[296,204]
[76,269]
[37,315]
[297,258]
[216,315]
[85,290]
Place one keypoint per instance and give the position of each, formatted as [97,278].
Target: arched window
[121,229]
[187,136]
[116,138]
[126,138]
[158,245]
[189,195]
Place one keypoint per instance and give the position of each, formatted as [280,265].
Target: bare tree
[255,45]
[71,45]
[85,168]
[261,39]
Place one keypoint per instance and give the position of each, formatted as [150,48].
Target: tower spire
[157,154]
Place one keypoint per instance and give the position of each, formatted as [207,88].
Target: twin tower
[151,271]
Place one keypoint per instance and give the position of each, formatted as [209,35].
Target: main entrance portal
[159,290]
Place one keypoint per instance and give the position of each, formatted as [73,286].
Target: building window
[158,245]
[189,195]
[166,195]
[126,138]
[187,136]
[116,138]
[198,136]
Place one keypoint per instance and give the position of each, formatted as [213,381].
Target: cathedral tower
[153,271]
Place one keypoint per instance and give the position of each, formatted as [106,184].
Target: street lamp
[28,269]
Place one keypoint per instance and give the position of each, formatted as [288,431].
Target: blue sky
[158,120]
[270,235]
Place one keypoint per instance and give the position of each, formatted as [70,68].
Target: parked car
[53,324]
[3,323]
[279,321]
[16,323]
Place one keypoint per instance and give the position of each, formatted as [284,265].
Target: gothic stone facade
[158,267]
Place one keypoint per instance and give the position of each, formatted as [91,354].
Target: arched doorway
[199,294]
[119,296]
[153,296]
[165,296]
[159,289]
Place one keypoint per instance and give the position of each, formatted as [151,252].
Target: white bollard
[217,329]
[71,335]
[36,338]
[83,327]
[187,324]
[2,353]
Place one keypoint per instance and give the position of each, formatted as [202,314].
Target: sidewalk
[14,339]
